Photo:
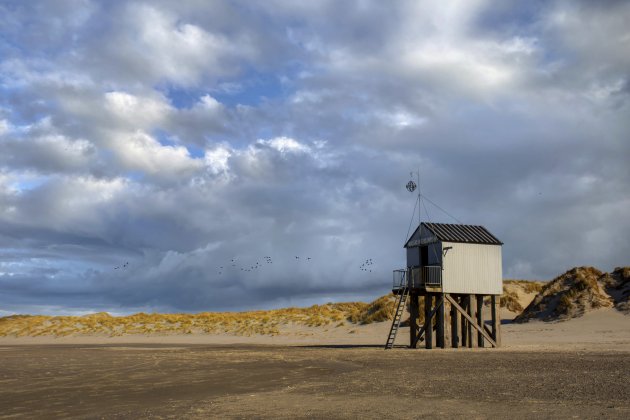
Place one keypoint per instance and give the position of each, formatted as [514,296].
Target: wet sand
[245,381]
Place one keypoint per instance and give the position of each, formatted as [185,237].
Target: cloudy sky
[146,145]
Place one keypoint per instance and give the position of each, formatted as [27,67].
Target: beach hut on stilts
[454,275]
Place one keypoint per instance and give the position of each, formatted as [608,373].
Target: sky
[232,155]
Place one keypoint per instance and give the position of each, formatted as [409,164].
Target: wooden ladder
[400,308]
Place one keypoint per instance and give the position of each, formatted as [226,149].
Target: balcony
[427,277]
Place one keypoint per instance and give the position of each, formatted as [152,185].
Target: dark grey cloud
[145,145]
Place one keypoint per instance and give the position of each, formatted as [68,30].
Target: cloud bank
[152,154]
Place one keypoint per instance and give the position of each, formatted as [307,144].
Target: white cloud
[136,111]
[70,204]
[208,102]
[217,159]
[173,50]
[285,145]
[140,151]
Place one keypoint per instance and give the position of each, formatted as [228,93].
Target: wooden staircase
[400,308]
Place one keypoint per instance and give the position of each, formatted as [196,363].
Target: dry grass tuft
[510,301]
[528,286]
[382,309]
[514,292]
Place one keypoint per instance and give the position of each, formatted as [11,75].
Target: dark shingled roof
[461,233]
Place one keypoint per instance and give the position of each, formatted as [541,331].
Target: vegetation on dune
[239,323]
[509,300]
[512,290]
[568,296]
[382,309]
[528,286]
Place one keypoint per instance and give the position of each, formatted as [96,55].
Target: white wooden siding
[472,269]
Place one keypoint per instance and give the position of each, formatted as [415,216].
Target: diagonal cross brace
[427,322]
[471,320]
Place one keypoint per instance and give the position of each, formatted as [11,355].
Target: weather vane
[411,186]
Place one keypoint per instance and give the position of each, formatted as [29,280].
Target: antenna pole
[419,196]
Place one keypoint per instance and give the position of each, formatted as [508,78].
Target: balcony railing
[419,277]
[400,279]
[432,276]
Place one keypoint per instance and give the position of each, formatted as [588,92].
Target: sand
[577,368]
[246,381]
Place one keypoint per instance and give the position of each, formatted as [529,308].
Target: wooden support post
[469,328]
[454,328]
[427,322]
[495,306]
[480,321]
[439,320]
[414,311]
[447,322]
[462,300]
[428,332]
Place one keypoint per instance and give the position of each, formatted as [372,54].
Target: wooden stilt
[479,299]
[496,319]
[447,323]
[428,332]
[454,328]
[428,322]
[439,320]
[469,311]
[462,300]
[413,319]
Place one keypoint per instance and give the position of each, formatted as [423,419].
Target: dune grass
[528,286]
[512,291]
[238,323]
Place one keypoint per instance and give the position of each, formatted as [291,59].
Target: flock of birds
[366,266]
[256,266]
[125,265]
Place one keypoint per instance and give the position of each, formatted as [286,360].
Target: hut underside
[450,319]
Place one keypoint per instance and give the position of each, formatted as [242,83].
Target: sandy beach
[576,368]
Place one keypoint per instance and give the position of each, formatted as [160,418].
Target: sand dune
[577,292]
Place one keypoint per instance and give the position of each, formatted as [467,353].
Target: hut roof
[446,232]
